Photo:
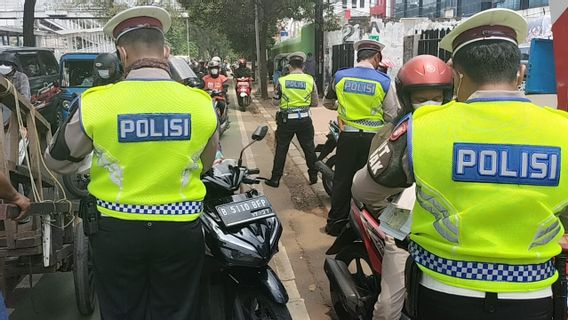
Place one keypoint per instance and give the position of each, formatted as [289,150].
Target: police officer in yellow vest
[151,139]
[295,94]
[491,173]
[365,100]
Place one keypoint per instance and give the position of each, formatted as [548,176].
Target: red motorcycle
[244,92]
[355,272]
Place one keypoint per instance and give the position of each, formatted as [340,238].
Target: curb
[281,261]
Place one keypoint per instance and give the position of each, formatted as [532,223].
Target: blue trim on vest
[364,74]
[499,99]
[409,146]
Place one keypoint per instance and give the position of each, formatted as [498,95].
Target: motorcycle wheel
[368,284]
[328,183]
[241,102]
[76,184]
[256,305]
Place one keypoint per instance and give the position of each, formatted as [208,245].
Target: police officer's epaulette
[385,163]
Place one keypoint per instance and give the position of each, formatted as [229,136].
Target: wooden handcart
[51,239]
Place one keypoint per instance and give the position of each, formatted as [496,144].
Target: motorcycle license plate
[241,212]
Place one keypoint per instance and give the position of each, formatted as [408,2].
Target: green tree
[235,19]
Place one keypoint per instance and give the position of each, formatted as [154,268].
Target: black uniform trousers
[435,305]
[148,270]
[304,131]
[350,156]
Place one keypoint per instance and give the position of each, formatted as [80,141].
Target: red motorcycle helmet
[424,71]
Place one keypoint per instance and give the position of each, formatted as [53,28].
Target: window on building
[429,8]
[538,3]
[362,4]
[412,8]
[509,4]
[354,4]
[344,4]
[471,7]
[399,8]
[447,6]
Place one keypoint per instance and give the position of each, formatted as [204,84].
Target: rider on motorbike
[214,81]
[242,71]
[423,80]
[107,69]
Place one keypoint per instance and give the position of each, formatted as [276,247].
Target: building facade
[457,8]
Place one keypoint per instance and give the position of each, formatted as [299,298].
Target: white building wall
[391,33]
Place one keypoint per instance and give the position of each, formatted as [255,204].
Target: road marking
[296,304]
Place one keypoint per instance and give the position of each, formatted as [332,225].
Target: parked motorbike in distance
[326,163]
[244,92]
[241,235]
[220,103]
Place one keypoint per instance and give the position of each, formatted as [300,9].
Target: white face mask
[426,103]
[5,70]
[104,73]
[214,72]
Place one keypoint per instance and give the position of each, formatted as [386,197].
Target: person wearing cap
[365,100]
[424,80]
[296,93]
[489,190]
[151,139]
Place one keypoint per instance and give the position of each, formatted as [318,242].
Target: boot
[273,182]
[313,178]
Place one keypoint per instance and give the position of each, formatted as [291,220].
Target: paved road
[301,208]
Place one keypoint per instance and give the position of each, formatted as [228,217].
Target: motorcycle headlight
[66,104]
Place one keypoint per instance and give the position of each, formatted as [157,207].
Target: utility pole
[257,34]
[319,38]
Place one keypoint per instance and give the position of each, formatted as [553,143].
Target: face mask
[426,103]
[214,72]
[5,70]
[104,73]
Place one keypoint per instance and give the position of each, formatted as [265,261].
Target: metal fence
[429,43]
[342,56]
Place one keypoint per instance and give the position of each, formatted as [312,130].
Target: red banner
[380,9]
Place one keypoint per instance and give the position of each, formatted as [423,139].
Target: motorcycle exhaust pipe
[325,170]
[340,277]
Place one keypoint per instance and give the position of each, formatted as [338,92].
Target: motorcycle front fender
[273,286]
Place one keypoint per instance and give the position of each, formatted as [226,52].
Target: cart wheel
[83,272]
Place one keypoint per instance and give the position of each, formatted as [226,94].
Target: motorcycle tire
[368,284]
[76,184]
[257,305]
[241,102]
[328,183]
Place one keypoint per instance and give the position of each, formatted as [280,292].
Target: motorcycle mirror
[260,133]
[257,135]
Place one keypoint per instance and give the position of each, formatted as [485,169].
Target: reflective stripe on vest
[489,188]
[147,148]
[361,92]
[482,271]
[296,90]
